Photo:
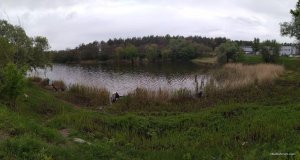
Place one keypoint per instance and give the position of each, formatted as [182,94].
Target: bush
[270,51]
[12,83]
[229,52]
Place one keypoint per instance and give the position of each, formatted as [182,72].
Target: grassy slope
[250,127]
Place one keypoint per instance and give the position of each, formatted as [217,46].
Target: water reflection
[124,78]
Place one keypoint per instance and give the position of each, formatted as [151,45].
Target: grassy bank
[206,60]
[244,123]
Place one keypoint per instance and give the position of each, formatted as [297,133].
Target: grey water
[126,78]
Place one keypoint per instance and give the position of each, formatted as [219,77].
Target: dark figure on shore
[201,92]
[115,97]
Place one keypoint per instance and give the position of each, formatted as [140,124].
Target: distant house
[288,50]
[247,49]
[285,50]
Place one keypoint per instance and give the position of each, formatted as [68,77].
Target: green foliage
[18,48]
[130,52]
[152,52]
[292,28]
[7,51]
[25,148]
[12,83]
[256,45]
[270,51]
[229,52]
[182,49]
[159,48]
[37,56]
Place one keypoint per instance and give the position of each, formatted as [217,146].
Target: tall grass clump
[234,76]
[88,96]
[35,79]
[143,99]
[59,85]
[144,96]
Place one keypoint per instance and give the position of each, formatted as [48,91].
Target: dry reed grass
[35,79]
[233,76]
[88,96]
[45,82]
[59,85]
[143,95]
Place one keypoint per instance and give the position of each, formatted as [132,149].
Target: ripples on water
[124,78]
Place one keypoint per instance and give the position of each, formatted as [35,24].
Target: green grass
[251,59]
[206,60]
[249,123]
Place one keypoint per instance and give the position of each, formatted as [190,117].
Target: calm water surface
[125,78]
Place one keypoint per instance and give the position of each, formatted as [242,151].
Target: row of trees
[231,51]
[18,54]
[152,48]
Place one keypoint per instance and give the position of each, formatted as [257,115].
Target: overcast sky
[67,23]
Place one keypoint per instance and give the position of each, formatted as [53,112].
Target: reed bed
[161,95]
[88,96]
[35,79]
[234,76]
[142,99]
[59,85]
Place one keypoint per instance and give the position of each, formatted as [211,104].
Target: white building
[285,50]
[248,49]
[288,50]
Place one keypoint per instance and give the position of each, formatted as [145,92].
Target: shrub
[229,52]
[12,83]
[270,51]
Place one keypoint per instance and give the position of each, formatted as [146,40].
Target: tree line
[151,48]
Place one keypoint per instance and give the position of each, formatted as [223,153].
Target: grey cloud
[67,23]
[36,4]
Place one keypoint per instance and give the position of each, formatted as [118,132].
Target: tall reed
[88,96]
[233,76]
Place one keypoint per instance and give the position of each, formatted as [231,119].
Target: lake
[126,78]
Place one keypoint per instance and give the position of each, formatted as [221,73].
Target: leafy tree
[182,49]
[7,51]
[130,52]
[12,82]
[152,52]
[228,51]
[255,45]
[270,51]
[151,47]
[201,49]
[118,52]
[292,28]
[37,57]
[18,53]
[26,50]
